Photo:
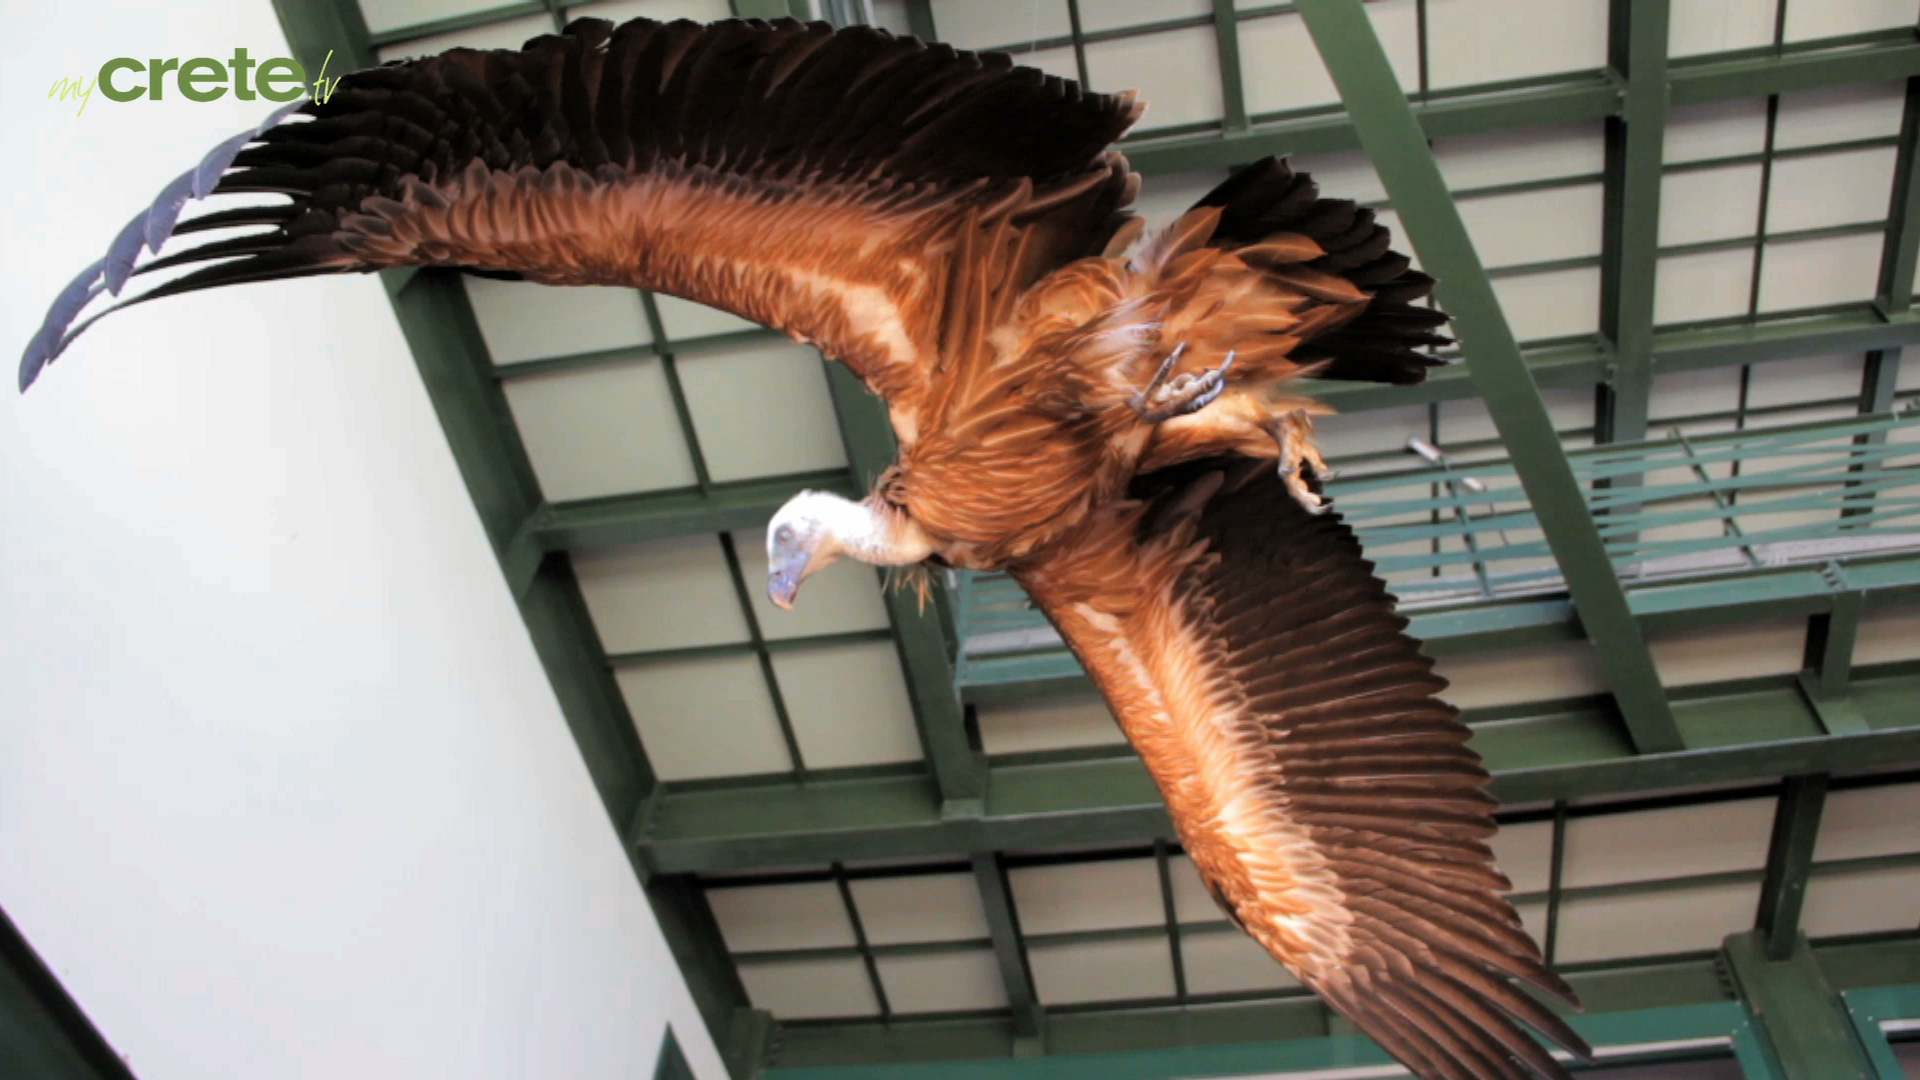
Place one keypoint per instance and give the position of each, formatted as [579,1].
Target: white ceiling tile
[1860,823]
[1175,72]
[1810,378]
[1709,285]
[1651,845]
[842,598]
[1048,724]
[1521,155]
[521,320]
[980,24]
[1814,273]
[1226,961]
[1343,174]
[1729,651]
[1535,226]
[1709,204]
[1888,635]
[810,989]
[1716,129]
[669,593]
[1830,189]
[762,410]
[1192,903]
[385,15]
[1279,67]
[684,319]
[1690,393]
[760,918]
[511,34]
[943,981]
[920,907]
[1481,41]
[1654,923]
[848,704]
[1087,895]
[1551,305]
[1524,852]
[1811,19]
[600,431]
[1839,114]
[1102,970]
[620,11]
[1529,673]
[1710,26]
[1098,15]
[1862,902]
[700,718]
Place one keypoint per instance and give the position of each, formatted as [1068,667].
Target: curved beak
[785,571]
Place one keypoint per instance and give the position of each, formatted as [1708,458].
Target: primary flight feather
[1099,409]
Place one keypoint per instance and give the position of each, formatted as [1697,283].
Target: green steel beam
[1640,1011]
[1867,1009]
[1226,40]
[1630,223]
[1783,885]
[1803,1027]
[43,1032]
[1393,139]
[1563,99]
[1743,731]
[1903,212]
[1010,952]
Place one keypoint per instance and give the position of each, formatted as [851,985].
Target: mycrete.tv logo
[200,79]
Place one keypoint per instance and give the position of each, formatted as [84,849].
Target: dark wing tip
[52,336]
[149,229]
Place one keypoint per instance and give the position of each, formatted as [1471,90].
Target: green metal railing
[1851,494]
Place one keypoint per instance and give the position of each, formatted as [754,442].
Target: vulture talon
[1185,394]
[1293,434]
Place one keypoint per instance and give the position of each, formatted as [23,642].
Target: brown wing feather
[845,187]
[1325,794]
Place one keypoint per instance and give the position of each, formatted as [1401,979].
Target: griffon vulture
[1099,409]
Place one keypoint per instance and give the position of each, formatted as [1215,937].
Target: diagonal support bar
[1393,139]
[1010,951]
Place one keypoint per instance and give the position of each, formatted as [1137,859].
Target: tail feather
[1266,204]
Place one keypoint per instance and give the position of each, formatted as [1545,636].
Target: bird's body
[1099,409]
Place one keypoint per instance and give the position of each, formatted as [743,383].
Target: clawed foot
[1293,432]
[1164,399]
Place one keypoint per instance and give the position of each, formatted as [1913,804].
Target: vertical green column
[1630,225]
[1783,889]
[1392,137]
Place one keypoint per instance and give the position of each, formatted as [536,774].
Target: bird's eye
[783,535]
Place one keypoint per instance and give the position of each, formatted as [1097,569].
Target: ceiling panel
[1094,895]
[943,981]
[1048,724]
[848,704]
[670,593]
[921,907]
[762,410]
[1177,73]
[524,321]
[1481,41]
[810,989]
[1655,845]
[1654,924]
[601,431]
[1102,970]
[761,918]
[704,718]
[1226,961]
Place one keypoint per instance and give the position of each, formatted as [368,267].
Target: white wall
[283,790]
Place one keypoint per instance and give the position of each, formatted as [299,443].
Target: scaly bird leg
[1164,399]
[1293,432]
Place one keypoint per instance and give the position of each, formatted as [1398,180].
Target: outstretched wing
[869,194]
[1326,796]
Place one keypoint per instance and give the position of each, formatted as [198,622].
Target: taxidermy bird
[1101,410]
